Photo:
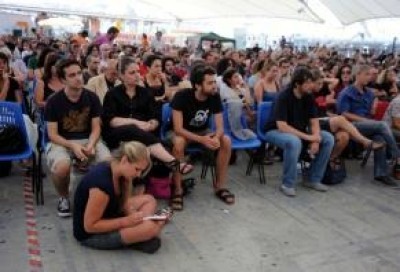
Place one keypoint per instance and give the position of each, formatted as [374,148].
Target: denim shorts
[111,240]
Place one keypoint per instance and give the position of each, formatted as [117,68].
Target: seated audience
[50,82]
[267,88]
[339,126]
[103,83]
[235,89]
[295,129]
[392,117]
[356,103]
[73,126]
[191,114]
[106,213]
[92,69]
[130,115]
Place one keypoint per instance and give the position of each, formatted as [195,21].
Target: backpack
[11,139]
[5,168]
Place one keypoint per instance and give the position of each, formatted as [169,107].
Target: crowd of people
[102,106]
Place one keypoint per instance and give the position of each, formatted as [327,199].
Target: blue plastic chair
[11,113]
[264,111]
[43,140]
[248,145]
[166,121]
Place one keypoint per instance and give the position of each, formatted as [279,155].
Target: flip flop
[368,152]
[225,196]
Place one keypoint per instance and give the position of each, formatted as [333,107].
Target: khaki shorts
[56,153]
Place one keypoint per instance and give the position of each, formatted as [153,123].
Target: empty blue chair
[11,114]
[249,145]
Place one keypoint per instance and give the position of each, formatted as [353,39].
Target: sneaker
[149,246]
[388,181]
[316,186]
[64,207]
[290,192]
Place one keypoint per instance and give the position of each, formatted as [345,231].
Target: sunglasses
[346,72]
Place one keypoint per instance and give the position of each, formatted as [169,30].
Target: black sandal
[181,167]
[226,196]
[368,152]
[176,202]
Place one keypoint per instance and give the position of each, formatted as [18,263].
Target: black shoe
[149,246]
[388,181]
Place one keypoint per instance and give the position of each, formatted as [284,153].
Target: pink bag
[160,187]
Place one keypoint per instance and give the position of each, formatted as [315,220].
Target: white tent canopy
[351,11]
[346,11]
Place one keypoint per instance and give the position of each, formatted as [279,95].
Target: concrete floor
[353,227]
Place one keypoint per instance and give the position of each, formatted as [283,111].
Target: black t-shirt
[118,104]
[196,114]
[74,119]
[297,112]
[12,90]
[100,176]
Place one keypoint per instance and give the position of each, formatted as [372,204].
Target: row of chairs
[11,113]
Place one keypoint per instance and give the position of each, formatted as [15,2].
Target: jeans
[379,131]
[292,147]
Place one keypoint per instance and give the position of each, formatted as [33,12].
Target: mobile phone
[156,217]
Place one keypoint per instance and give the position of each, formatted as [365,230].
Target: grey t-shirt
[393,111]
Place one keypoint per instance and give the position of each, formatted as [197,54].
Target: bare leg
[179,153]
[60,178]
[158,151]
[144,203]
[224,154]
[142,232]
[340,123]
[342,140]
[147,229]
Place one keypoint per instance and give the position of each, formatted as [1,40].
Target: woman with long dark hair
[50,82]
[130,115]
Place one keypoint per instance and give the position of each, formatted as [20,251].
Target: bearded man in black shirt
[192,112]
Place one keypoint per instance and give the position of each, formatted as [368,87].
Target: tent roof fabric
[208,9]
[346,11]
[351,11]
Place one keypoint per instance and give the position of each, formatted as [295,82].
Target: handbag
[159,187]
[335,175]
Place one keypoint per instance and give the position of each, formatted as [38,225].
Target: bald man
[104,82]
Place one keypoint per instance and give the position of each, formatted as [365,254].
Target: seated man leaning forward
[295,128]
[73,124]
[191,114]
